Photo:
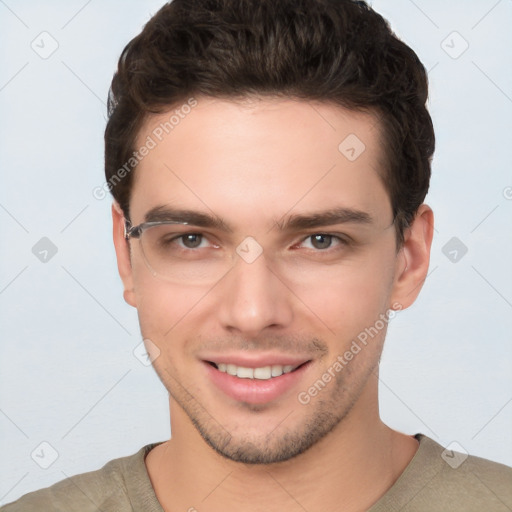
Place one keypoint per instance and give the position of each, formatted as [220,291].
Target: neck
[353,466]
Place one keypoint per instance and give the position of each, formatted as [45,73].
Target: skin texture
[255,163]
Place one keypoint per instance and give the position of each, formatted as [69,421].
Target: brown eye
[191,240]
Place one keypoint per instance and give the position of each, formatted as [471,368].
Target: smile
[256,384]
[262,373]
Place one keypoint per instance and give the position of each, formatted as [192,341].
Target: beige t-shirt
[434,481]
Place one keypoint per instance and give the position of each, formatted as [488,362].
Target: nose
[254,298]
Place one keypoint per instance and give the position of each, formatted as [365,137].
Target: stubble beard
[283,443]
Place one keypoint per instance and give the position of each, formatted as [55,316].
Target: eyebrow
[183,216]
[296,222]
[324,218]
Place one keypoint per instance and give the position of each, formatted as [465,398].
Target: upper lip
[254,360]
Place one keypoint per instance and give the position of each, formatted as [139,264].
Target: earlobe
[414,258]
[123,254]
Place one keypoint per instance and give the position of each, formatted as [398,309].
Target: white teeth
[245,373]
[277,370]
[262,373]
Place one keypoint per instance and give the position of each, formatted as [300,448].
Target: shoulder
[478,482]
[439,479]
[109,489]
[457,468]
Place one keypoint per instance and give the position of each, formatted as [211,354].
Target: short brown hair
[336,51]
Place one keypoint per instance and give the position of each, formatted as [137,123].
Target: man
[269,162]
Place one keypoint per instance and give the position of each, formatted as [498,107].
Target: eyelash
[342,241]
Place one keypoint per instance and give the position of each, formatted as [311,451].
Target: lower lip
[255,391]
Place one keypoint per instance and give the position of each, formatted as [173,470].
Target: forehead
[259,159]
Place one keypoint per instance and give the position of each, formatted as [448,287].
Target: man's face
[296,294]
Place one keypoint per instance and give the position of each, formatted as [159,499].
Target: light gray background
[68,374]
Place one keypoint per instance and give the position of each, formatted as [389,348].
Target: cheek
[160,304]
[164,308]
[352,299]
[166,313]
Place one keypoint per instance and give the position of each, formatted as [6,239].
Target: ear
[413,259]
[123,254]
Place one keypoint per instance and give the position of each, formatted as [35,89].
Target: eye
[323,241]
[166,241]
[190,240]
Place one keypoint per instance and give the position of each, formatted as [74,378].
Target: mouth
[257,383]
[260,373]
